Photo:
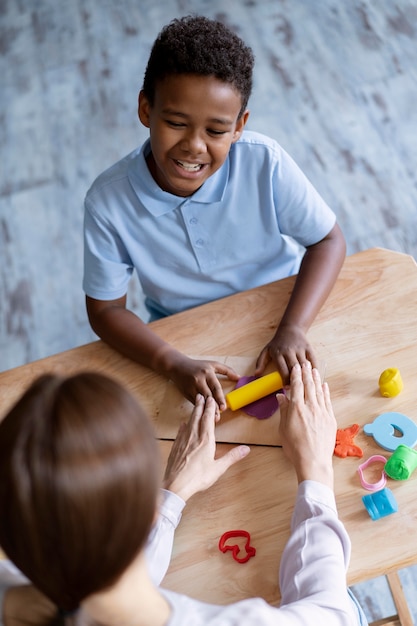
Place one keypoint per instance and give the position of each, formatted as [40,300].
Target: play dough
[261,409]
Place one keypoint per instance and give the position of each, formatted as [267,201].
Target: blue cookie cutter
[380,504]
[385,426]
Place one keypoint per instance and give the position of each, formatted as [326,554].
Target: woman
[82,518]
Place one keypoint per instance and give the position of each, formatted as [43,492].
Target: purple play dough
[261,409]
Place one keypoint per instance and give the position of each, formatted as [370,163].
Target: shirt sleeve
[302,212]
[107,264]
[159,547]
[315,560]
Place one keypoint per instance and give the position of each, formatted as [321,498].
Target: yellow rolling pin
[255,390]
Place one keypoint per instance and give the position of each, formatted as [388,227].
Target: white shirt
[312,573]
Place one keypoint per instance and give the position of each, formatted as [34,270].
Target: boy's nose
[194,143]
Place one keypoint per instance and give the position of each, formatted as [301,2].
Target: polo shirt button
[199,242]
[193,220]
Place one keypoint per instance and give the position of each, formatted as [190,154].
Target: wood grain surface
[366,325]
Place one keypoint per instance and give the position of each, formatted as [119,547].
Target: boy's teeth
[190,167]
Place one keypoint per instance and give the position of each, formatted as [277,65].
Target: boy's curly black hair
[195,44]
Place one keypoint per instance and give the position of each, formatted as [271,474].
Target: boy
[203,210]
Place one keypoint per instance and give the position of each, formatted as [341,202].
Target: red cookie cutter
[250,550]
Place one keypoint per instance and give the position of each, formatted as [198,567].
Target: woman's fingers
[208,419]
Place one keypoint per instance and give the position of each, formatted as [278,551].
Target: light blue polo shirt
[241,229]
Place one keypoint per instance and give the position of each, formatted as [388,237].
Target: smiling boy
[202,210]
[193,122]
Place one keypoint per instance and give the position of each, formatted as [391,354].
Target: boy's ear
[240,125]
[144,109]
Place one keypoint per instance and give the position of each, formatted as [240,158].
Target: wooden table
[367,325]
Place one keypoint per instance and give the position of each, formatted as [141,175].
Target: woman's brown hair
[79,476]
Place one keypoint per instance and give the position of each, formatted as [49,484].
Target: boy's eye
[212,131]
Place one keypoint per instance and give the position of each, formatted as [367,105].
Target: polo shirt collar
[158,202]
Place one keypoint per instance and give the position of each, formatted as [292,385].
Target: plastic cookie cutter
[390,383]
[380,504]
[234,547]
[402,463]
[392,429]
[380,484]
[344,442]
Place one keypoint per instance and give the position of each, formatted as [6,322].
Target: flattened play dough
[261,409]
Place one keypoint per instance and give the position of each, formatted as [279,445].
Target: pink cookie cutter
[380,484]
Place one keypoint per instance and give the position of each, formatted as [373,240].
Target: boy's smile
[192,123]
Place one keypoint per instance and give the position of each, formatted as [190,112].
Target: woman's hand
[192,466]
[308,425]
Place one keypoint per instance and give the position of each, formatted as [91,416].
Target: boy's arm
[125,331]
[318,272]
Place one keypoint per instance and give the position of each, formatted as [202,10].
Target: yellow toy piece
[255,390]
[390,382]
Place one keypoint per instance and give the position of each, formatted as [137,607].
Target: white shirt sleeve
[159,546]
[315,560]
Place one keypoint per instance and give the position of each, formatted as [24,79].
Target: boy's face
[192,123]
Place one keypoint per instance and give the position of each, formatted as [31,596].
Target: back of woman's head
[79,474]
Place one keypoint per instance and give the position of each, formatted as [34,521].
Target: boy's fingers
[221,368]
[262,361]
[218,396]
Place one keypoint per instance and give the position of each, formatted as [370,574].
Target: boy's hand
[192,466]
[193,377]
[288,347]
